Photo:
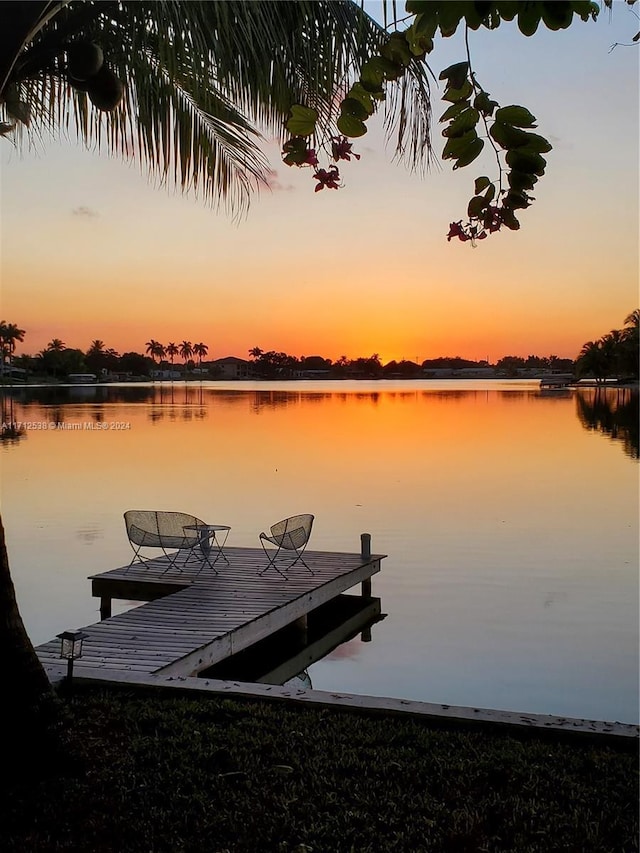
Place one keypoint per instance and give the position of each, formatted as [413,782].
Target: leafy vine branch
[518,150]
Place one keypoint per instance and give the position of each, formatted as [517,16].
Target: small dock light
[71,648]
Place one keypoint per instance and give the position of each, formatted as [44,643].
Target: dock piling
[365,545]
[365,553]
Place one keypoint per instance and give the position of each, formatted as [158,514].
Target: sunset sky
[91,248]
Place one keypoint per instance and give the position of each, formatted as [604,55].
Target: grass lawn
[155,773]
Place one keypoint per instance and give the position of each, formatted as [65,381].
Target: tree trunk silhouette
[29,694]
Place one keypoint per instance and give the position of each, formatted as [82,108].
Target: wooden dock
[195,623]
[195,619]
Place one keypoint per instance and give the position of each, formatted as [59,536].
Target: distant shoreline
[45,382]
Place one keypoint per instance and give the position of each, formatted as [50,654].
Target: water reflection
[12,431]
[507,585]
[284,657]
[613,412]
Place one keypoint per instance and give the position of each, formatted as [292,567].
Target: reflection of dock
[290,651]
[192,621]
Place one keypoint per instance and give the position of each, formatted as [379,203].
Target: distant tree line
[269,365]
[614,356]
[57,360]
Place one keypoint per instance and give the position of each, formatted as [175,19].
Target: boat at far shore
[557,381]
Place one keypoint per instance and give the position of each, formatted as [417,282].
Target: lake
[509,517]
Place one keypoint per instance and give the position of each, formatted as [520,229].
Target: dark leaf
[476,206]
[477,13]
[521,180]
[508,10]
[426,26]
[529,18]
[469,154]
[455,95]
[509,219]
[515,115]
[359,93]
[455,147]
[454,110]
[506,136]
[537,144]
[484,104]
[350,126]
[523,161]
[455,75]
[515,200]
[397,49]
[354,108]
[557,15]
[490,193]
[302,121]
[449,15]
[462,123]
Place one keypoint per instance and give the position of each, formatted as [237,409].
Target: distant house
[459,373]
[232,368]
[166,374]
[10,370]
[314,367]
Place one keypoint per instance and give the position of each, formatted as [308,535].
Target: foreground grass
[155,773]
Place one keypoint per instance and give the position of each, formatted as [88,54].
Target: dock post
[365,553]
[105,607]
[365,545]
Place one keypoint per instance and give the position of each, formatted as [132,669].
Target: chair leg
[137,557]
[201,557]
[271,557]
[172,561]
[300,559]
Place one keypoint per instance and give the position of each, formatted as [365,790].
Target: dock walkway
[193,620]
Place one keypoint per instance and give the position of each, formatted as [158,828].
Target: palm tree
[189,88]
[591,360]
[256,352]
[96,347]
[186,88]
[9,335]
[55,347]
[612,344]
[630,347]
[186,351]
[200,350]
[95,355]
[172,351]
[155,349]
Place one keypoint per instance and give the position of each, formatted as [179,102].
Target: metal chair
[290,535]
[172,532]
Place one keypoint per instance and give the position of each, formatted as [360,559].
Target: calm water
[510,519]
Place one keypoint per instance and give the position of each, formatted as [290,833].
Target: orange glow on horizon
[389,347]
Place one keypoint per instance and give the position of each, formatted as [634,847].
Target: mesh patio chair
[290,536]
[172,532]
